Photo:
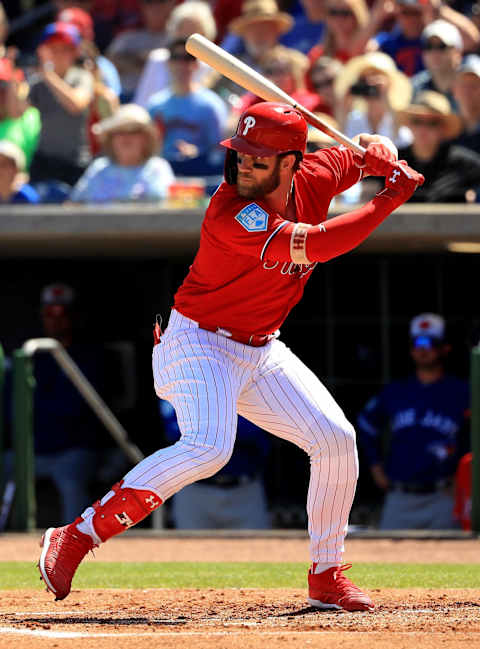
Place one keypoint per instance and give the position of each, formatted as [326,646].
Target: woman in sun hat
[130,169]
[370,92]
[452,172]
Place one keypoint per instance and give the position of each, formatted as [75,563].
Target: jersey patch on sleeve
[253,218]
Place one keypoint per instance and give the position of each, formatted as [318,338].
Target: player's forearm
[345,232]
[304,244]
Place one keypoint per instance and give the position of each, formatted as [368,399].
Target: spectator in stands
[62,92]
[187,18]
[347,31]
[286,68]
[19,122]
[13,188]
[130,170]
[192,119]
[309,27]
[452,172]
[129,50]
[105,71]
[404,42]
[107,86]
[320,80]
[466,90]
[234,498]
[370,91]
[250,36]
[426,417]
[442,48]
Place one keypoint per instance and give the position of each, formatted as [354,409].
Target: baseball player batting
[264,232]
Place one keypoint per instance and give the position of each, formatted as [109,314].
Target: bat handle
[312,119]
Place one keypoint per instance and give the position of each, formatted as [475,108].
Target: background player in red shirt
[264,232]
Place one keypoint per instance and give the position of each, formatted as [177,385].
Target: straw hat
[400,91]
[433,104]
[258,11]
[128,117]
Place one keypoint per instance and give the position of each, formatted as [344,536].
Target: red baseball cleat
[331,589]
[62,550]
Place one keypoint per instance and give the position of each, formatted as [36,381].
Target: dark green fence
[24,509]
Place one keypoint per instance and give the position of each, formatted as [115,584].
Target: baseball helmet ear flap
[230,167]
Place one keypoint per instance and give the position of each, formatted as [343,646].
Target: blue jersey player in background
[426,418]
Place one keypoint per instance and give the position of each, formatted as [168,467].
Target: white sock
[86,526]
[321,567]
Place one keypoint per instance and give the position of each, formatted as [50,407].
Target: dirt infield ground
[241,618]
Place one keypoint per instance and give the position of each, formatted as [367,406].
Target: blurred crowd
[100,102]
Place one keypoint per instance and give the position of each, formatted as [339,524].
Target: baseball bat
[242,74]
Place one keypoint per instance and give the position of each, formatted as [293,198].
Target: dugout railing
[23,515]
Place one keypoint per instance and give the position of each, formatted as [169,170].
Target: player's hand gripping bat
[245,76]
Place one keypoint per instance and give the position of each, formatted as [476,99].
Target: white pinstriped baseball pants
[208,379]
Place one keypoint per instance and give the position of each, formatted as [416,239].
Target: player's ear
[287,161]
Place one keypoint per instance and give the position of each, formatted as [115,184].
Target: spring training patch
[253,218]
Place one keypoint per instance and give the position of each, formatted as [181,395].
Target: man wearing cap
[426,417]
[466,89]
[442,48]
[452,172]
[404,42]
[62,92]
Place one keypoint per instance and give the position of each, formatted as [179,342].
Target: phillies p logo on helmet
[248,123]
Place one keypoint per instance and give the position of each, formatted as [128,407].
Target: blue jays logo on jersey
[253,218]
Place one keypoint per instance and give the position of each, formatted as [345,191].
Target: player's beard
[262,188]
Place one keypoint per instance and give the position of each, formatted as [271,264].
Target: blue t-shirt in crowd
[198,118]
[427,427]
[106,182]
[252,444]
[406,52]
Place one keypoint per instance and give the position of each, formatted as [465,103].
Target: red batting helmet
[267,129]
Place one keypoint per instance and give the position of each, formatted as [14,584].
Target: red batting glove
[401,181]
[378,159]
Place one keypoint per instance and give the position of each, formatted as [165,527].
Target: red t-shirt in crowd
[233,283]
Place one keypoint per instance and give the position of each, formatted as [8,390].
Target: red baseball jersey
[233,283]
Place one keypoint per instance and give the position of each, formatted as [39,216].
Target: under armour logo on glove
[402,180]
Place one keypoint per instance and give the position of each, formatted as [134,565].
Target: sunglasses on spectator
[340,13]
[423,121]
[182,57]
[435,46]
